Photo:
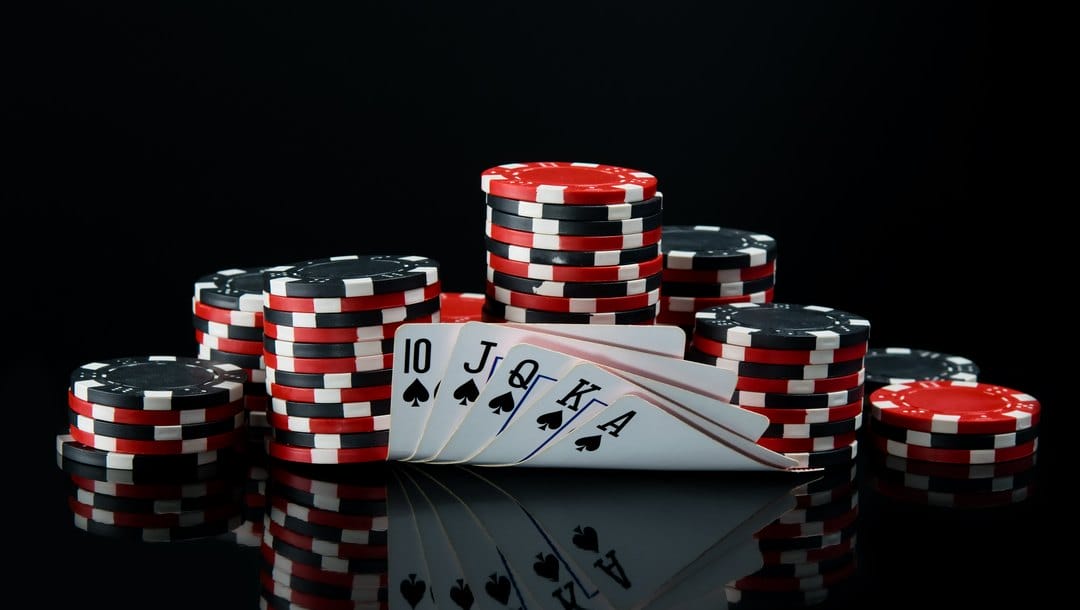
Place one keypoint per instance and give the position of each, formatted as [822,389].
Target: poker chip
[285,364]
[778,356]
[122,445]
[798,556]
[170,534]
[777,371]
[797,401]
[782,326]
[800,386]
[229,345]
[227,331]
[230,500]
[691,305]
[955,456]
[587,258]
[164,496]
[955,472]
[787,543]
[822,459]
[328,350]
[590,228]
[459,307]
[708,248]
[148,465]
[568,183]
[573,289]
[815,582]
[562,273]
[330,410]
[808,416]
[801,445]
[152,520]
[325,563]
[155,433]
[157,383]
[219,357]
[349,539]
[814,430]
[358,440]
[571,242]
[350,304]
[329,518]
[232,317]
[106,413]
[281,596]
[955,407]
[898,365]
[940,440]
[375,317]
[715,290]
[809,529]
[571,305]
[351,276]
[323,591]
[330,396]
[329,425]
[531,316]
[953,500]
[325,456]
[720,276]
[374,507]
[610,211]
[345,380]
[1005,482]
[344,579]
[347,334]
[323,547]
[236,289]
[365,483]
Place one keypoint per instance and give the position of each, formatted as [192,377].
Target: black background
[885,146]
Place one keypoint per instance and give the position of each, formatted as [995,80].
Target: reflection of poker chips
[837,547]
[368,483]
[805,569]
[339,410]
[812,582]
[281,596]
[962,472]
[348,550]
[708,248]
[896,365]
[157,383]
[843,426]
[568,183]
[782,326]
[155,433]
[719,276]
[573,289]
[322,590]
[785,543]
[236,346]
[355,565]
[953,499]
[352,319]
[586,228]
[357,379]
[330,395]
[227,331]
[351,276]
[956,456]
[571,305]
[500,311]
[224,501]
[571,242]
[106,413]
[826,496]
[809,529]
[897,472]
[778,371]
[459,307]
[839,507]
[236,289]
[72,450]
[150,519]
[341,335]
[328,350]
[955,407]
[96,482]
[329,518]
[280,564]
[800,386]
[389,300]
[566,273]
[611,211]
[369,507]
[581,258]
[942,440]
[330,425]
[778,356]
[170,534]
[321,366]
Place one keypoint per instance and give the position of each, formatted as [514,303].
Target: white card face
[449,585]
[480,348]
[582,390]
[421,352]
[409,585]
[497,585]
[524,376]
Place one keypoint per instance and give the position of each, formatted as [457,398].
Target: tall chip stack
[705,266]
[329,327]
[573,243]
[228,320]
[799,365]
[325,539]
[162,421]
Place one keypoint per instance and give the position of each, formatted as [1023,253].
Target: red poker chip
[812,528]
[808,416]
[236,346]
[330,395]
[152,418]
[571,305]
[955,407]
[691,305]
[350,580]
[457,307]
[346,304]
[329,365]
[329,425]
[327,548]
[778,356]
[349,334]
[153,520]
[251,319]
[140,447]
[801,386]
[719,276]
[802,445]
[344,521]
[955,456]
[256,403]
[307,455]
[572,243]
[344,491]
[568,183]
[560,273]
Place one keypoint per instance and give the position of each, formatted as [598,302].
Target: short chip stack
[954,422]
[572,243]
[329,327]
[893,365]
[705,266]
[799,365]
[154,416]
[325,540]
[228,322]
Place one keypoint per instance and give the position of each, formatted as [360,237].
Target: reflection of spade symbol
[550,421]
[416,393]
[498,587]
[585,538]
[589,443]
[462,595]
[413,590]
[466,393]
[502,403]
[547,567]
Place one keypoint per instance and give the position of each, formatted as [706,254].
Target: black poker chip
[335,410]
[227,331]
[943,440]
[360,379]
[889,365]
[728,289]
[781,326]
[573,258]
[614,211]
[708,247]
[217,356]
[590,228]
[798,401]
[99,427]
[777,371]
[357,440]
[350,276]
[495,310]
[575,290]
[158,382]
[831,428]
[237,289]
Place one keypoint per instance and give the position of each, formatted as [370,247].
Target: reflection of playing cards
[583,396]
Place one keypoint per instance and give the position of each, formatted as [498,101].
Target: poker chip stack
[808,553]
[799,365]
[893,365]
[705,266]
[325,540]
[329,346]
[954,422]
[228,319]
[575,243]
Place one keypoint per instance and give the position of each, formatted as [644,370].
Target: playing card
[421,352]
[409,585]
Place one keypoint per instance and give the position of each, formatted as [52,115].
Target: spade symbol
[416,393]
[466,393]
[462,595]
[589,443]
[550,421]
[413,590]
[586,539]
[498,587]
[503,402]
[547,567]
